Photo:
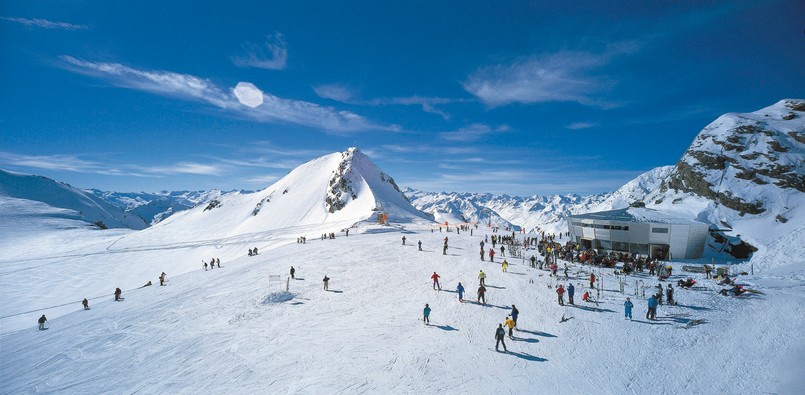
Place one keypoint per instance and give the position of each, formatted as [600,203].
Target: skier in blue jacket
[627,308]
[460,290]
[652,308]
[426,313]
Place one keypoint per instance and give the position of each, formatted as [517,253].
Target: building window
[659,230]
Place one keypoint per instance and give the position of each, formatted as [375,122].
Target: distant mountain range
[743,173]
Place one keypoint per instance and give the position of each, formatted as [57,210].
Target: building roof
[636,214]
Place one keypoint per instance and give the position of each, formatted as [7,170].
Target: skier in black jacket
[500,333]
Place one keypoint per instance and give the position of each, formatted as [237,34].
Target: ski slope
[226,330]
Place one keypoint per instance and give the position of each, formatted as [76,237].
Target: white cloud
[344,94]
[57,162]
[581,125]
[271,54]
[472,133]
[248,94]
[568,76]
[334,92]
[185,168]
[273,109]
[44,23]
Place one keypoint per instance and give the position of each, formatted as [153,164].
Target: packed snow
[231,329]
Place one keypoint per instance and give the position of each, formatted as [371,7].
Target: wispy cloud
[272,54]
[344,94]
[272,109]
[75,164]
[334,92]
[44,23]
[567,76]
[185,168]
[472,133]
[71,163]
[581,125]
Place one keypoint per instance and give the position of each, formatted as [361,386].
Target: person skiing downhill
[460,290]
[42,321]
[403,239]
[570,291]
[435,278]
[627,308]
[509,323]
[500,333]
[481,295]
[426,313]
[481,277]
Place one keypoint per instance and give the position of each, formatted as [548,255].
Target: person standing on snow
[118,292]
[42,321]
[561,293]
[481,295]
[162,279]
[426,312]
[571,290]
[460,290]
[420,245]
[652,308]
[515,314]
[326,281]
[482,277]
[592,280]
[491,255]
[509,324]
[502,251]
[403,239]
[627,308]
[660,291]
[505,266]
[293,272]
[500,333]
[435,278]
[85,303]
[669,293]
[482,253]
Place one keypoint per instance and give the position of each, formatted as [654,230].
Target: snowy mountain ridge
[154,207]
[79,204]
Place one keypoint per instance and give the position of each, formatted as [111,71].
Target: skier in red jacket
[435,278]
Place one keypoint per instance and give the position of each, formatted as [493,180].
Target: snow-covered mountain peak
[745,161]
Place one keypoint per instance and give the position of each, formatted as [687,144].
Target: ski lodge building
[639,230]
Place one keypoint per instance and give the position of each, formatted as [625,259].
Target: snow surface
[228,330]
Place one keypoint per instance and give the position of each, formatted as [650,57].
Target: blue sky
[522,98]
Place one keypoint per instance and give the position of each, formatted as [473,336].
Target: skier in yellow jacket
[510,324]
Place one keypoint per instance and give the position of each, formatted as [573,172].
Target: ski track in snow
[207,330]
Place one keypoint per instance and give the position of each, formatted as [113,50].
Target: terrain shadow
[526,356]
[537,333]
[589,308]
